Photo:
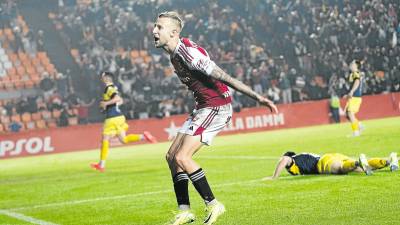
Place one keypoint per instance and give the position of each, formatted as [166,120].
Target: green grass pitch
[137,188]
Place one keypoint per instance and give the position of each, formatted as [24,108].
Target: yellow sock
[348,166]
[377,163]
[104,149]
[132,138]
[354,125]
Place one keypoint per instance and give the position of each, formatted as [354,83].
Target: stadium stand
[289,50]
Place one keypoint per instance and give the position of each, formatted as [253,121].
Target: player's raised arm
[219,74]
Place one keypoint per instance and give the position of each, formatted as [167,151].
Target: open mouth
[156,39]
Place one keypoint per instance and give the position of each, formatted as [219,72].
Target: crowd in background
[287,50]
[54,92]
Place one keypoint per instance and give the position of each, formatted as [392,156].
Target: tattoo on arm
[219,74]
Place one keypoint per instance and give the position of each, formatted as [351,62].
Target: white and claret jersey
[193,67]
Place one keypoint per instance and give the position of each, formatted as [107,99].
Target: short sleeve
[112,91]
[202,61]
[196,58]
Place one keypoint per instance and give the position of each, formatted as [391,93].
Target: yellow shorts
[115,125]
[326,161]
[353,104]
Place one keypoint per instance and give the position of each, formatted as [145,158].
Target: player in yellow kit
[354,97]
[115,123]
[332,163]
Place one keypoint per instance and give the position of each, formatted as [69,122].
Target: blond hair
[174,16]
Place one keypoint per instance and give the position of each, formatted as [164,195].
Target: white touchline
[88,200]
[119,197]
[249,157]
[22,217]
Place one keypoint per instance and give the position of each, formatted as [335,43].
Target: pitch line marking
[244,157]
[25,218]
[75,202]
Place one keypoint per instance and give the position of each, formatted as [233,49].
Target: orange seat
[30,125]
[22,127]
[9,86]
[45,61]
[36,116]
[56,114]
[21,70]
[12,71]
[7,31]
[34,76]
[41,124]
[16,118]
[22,56]
[6,79]
[46,115]
[26,117]
[50,68]
[36,61]
[73,120]
[29,84]
[19,84]
[143,53]
[51,124]
[42,55]
[13,57]
[27,63]
[30,70]
[147,59]
[134,54]
[5,119]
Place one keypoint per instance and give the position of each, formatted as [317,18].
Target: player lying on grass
[332,163]
[114,124]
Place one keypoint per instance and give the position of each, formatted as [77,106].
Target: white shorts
[207,122]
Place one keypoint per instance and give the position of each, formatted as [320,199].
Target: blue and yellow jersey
[304,163]
[112,110]
[352,78]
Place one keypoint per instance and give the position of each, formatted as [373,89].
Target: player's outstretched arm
[283,162]
[219,74]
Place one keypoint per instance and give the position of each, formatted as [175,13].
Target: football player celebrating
[209,84]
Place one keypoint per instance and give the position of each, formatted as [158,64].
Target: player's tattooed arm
[219,74]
